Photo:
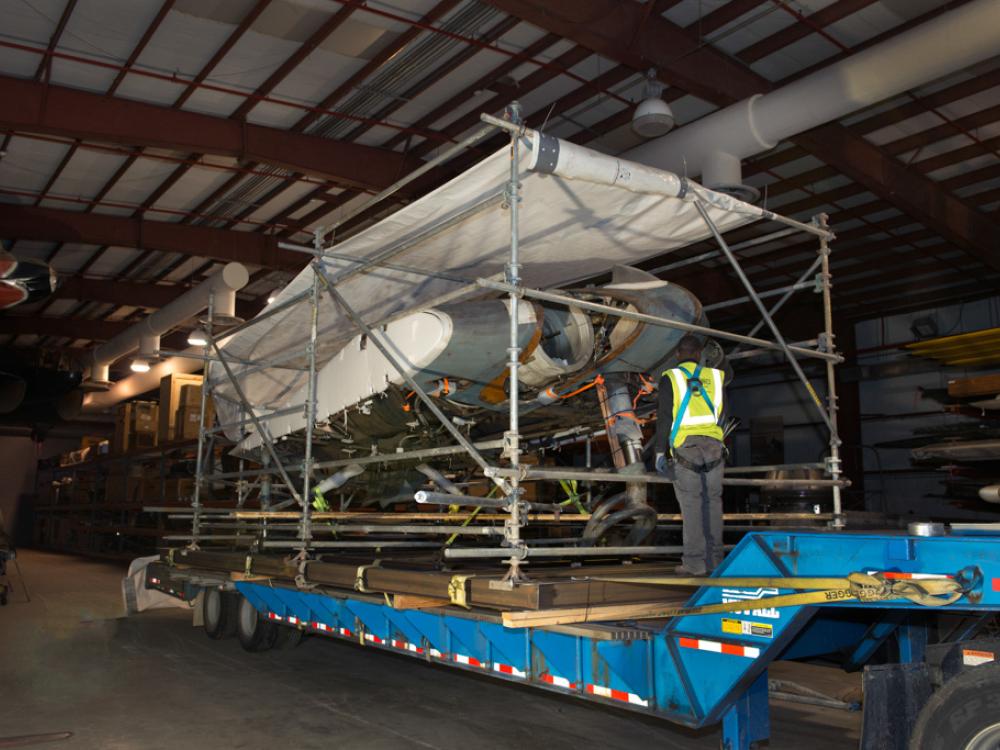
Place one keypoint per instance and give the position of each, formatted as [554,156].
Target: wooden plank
[982,385]
[234,576]
[410,601]
[598,613]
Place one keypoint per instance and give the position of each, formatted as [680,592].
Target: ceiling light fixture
[198,337]
[653,116]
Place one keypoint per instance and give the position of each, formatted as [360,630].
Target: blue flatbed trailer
[695,670]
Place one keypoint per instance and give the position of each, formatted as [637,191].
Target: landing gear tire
[620,509]
[220,611]
[963,715]
[255,633]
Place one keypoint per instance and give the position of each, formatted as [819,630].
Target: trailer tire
[219,610]
[288,638]
[963,715]
[254,632]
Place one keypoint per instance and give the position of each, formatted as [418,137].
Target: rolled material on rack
[990,493]
[424,497]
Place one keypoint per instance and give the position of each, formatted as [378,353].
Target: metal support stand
[199,471]
[831,377]
[764,314]
[827,412]
[512,438]
[330,269]
[265,435]
[305,529]
[748,720]
[912,637]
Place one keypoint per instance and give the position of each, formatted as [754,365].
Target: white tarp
[137,597]
[582,212]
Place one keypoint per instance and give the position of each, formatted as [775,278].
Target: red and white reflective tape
[293,620]
[374,639]
[558,681]
[701,644]
[437,654]
[407,646]
[891,575]
[618,695]
[272,616]
[507,669]
[323,627]
[469,660]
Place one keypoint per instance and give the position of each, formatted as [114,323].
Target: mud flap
[893,697]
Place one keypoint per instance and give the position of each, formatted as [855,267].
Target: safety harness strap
[675,428]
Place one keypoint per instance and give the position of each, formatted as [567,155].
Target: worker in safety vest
[689,449]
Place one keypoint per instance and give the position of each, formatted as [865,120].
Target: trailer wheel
[287,638]
[255,633]
[219,611]
[963,715]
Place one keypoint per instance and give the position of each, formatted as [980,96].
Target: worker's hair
[689,348]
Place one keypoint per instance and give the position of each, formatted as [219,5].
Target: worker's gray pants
[700,498]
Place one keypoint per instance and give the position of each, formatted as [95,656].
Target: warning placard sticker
[746,627]
[972,658]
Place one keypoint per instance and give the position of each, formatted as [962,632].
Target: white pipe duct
[223,285]
[143,382]
[952,41]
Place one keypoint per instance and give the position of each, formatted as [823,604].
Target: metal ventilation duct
[713,145]
[221,287]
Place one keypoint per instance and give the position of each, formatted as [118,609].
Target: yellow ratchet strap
[360,584]
[458,593]
[862,587]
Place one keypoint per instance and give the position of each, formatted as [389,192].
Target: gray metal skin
[475,360]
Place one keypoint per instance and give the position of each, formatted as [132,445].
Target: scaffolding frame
[516,512]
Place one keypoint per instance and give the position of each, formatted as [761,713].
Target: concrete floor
[70,662]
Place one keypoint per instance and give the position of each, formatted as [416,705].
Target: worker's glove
[664,467]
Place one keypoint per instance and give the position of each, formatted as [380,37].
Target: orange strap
[598,380]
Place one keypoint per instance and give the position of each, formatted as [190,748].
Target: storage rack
[264,528]
[96,507]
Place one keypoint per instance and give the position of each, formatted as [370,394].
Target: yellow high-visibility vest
[702,409]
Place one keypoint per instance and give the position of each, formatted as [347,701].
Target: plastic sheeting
[582,212]
[136,597]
